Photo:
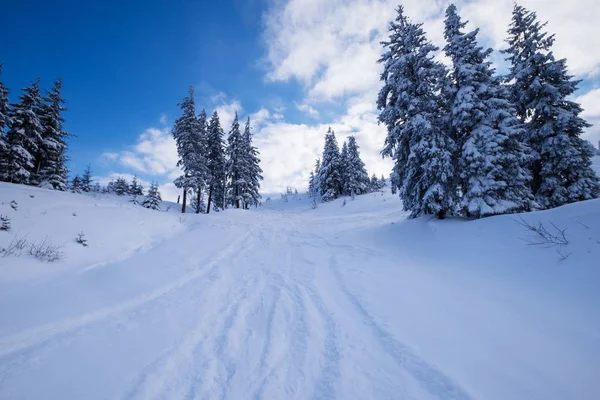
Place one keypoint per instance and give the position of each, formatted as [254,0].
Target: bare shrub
[15,247]
[45,250]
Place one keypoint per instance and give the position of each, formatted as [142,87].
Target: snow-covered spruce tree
[491,160]
[357,178]
[135,189]
[413,112]
[86,179]
[541,87]
[189,140]
[153,199]
[252,172]
[4,124]
[24,135]
[202,172]
[314,186]
[51,169]
[330,178]
[236,165]
[121,187]
[344,169]
[76,184]
[374,183]
[215,157]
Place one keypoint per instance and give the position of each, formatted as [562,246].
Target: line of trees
[225,173]
[466,141]
[340,173]
[33,144]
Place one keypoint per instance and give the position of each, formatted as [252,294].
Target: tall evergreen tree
[4,124]
[330,177]
[51,169]
[203,171]
[216,164]
[121,187]
[491,160]
[314,188]
[344,169]
[236,165]
[252,173]
[76,184]
[357,178]
[86,179]
[24,136]
[414,114]
[136,189]
[541,88]
[153,199]
[188,136]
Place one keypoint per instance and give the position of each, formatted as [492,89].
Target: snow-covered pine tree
[330,178]
[24,136]
[374,183]
[236,165]
[542,89]
[311,184]
[136,189]
[491,160]
[51,169]
[344,169]
[216,164]
[4,124]
[121,186]
[153,199]
[86,179]
[187,132]
[202,168]
[357,178]
[76,184]
[414,115]
[253,172]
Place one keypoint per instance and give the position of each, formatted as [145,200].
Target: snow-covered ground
[346,301]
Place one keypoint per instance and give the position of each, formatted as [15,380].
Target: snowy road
[258,305]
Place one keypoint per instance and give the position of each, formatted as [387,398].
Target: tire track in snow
[40,335]
[432,379]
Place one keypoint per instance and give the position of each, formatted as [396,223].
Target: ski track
[38,336]
[261,328]
[428,376]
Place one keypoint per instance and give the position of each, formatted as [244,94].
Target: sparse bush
[74,214]
[542,236]
[45,250]
[15,247]
[14,205]
[268,199]
[81,239]
[32,196]
[4,223]
[344,203]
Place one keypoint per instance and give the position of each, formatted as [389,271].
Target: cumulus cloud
[308,110]
[331,48]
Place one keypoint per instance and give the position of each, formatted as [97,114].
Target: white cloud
[331,48]
[108,156]
[163,119]
[227,112]
[308,110]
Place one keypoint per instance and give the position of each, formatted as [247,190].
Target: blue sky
[294,66]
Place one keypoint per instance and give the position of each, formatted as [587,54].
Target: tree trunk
[237,196]
[184,200]
[210,190]
[178,198]
[198,200]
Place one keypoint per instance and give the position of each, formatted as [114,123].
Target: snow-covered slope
[348,301]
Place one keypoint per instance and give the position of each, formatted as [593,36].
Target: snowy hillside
[347,301]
